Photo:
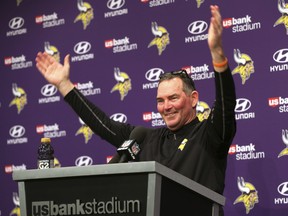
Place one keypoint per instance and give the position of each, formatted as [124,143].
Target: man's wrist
[65,88]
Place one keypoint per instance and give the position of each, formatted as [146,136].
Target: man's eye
[159,101]
[174,98]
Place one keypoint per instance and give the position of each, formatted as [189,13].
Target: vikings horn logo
[283,9]
[85,130]
[52,50]
[199,3]
[161,39]
[86,13]
[20,99]
[249,194]
[18,2]
[285,141]
[123,83]
[16,210]
[202,110]
[56,163]
[245,65]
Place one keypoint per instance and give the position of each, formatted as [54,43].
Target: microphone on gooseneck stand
[130,148]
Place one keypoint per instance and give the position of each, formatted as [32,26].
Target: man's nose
[167,105]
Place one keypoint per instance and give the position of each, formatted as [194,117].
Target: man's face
[175,107]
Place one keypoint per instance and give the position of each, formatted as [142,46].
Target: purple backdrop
[107,36]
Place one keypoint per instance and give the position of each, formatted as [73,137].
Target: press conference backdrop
[118,50]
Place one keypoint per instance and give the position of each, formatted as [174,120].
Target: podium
[136,188]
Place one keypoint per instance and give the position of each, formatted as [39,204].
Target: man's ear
[195,98]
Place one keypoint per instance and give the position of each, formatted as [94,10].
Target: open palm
[53,71]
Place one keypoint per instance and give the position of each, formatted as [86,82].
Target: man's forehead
[170,87]
[175,82]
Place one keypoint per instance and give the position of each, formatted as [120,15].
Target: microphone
[130,148]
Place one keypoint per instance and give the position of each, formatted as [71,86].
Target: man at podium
[198,150]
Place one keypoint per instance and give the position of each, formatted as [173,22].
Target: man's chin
[171,125]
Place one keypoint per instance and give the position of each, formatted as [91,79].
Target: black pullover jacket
[202,158]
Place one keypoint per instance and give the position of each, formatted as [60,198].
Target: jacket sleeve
[222,123]
[109,130]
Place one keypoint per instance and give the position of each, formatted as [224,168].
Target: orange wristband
[221,64]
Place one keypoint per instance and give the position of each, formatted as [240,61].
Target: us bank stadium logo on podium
[113,206]
[16,26]
[116,8]
[241,24]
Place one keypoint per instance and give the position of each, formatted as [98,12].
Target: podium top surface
[118,168]
[102,169]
